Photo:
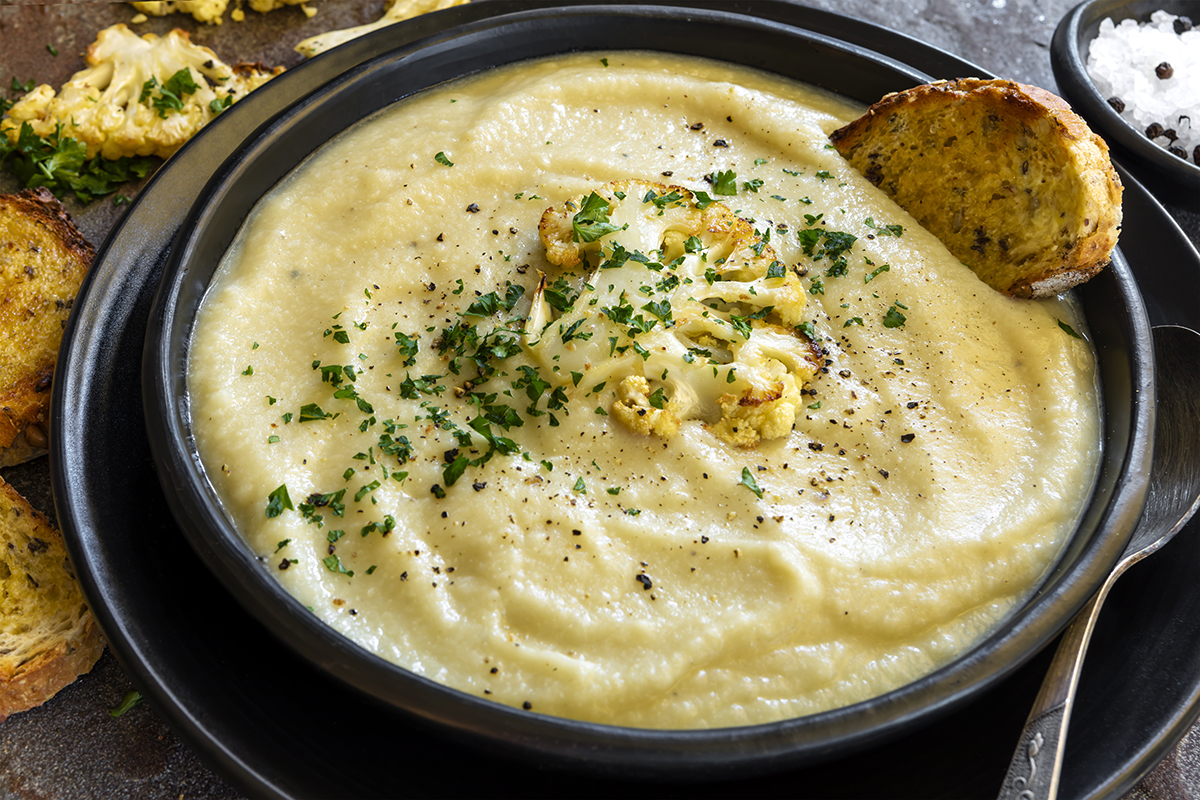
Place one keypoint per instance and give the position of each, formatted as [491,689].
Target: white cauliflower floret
[397,11]
[212,11]
[681,305]
[208,11]
[267,6]
[635,409]
[140,95]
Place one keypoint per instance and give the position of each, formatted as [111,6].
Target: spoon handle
[1035,767]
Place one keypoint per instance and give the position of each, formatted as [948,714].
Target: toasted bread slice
[1012,181]
[48,637]
[43,259]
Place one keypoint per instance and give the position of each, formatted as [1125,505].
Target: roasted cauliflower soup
[601,386]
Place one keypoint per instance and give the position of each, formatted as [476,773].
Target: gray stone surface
[72,747]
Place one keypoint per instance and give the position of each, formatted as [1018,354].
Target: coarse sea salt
[1153,71]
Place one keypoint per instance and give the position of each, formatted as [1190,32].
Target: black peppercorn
[1178,151]
[1117,104]
[1154,130]
[1182,24]
[1171,134]
[1196,155]
[1164,71]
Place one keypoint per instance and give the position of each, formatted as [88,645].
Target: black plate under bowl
[277,726]
[1111,302]
[1068,58]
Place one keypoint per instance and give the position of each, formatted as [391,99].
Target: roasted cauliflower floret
[139,96]
[397,11]
[636,410]
[212,11]
[208,11]
[679,304]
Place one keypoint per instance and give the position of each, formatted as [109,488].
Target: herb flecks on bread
[1011,180]
[48,637]
[43,259]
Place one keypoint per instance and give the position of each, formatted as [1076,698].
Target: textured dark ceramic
[1068,58]
[270,720]
[1112,304]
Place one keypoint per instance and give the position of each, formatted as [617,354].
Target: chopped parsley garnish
[724,183]
[407,345]
[277,501]
[893,318]
[311,412]
[60,163]
[169,95]
[749,482]
[870,276]
[1071,331]
[591,221]
[334,564]
[490,303]
[442,159]
[132,698]
[884,230]
[752,185]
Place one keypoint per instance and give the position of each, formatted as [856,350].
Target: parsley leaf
[591,222]
[749,482]
[60,163]
[893,318]
[724,183]
[1071,331]
[277,501]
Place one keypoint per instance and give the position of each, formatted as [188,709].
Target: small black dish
[1068,58]
[1111,302]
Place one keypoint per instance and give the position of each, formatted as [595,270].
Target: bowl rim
[1068,60]
[766,744]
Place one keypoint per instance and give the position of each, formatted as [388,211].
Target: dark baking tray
[275,725]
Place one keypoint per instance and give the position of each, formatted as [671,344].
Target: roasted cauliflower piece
[635,410]
[139,96]
[207,11]
[212,11]
[397,11]
[680,305]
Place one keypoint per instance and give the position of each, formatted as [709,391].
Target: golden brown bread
[48,637]
[43,259]
[1009,178]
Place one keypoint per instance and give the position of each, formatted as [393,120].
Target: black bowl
[1112,304]
[1068,58]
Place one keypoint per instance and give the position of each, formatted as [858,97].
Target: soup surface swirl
[550,557]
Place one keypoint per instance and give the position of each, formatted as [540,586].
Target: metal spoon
[1174,495]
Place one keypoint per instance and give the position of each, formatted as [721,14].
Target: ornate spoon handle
[1035,767]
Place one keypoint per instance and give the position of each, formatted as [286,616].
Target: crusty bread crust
[1009,178]
[48,636]
[43,259]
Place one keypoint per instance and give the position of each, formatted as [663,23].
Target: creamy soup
[506,534]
